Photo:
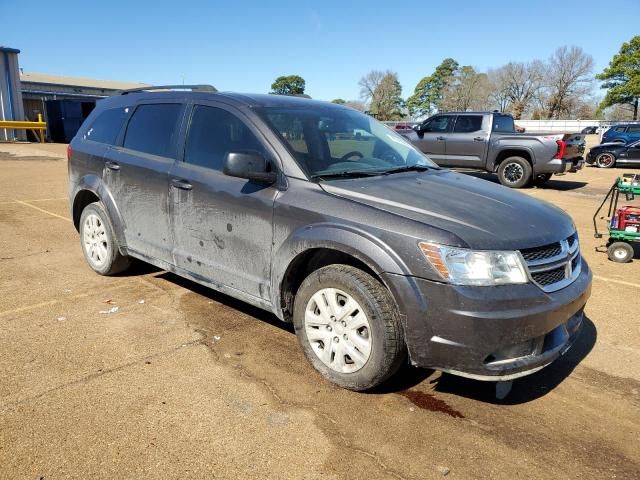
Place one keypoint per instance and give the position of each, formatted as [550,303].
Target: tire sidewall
[374,371]
[526,172]
[112,251]
[627,248]
[605,166]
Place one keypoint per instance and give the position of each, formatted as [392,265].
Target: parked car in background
[590,130]
[624,133]
[402,127]
[609,155]
[488,141]
[371,250]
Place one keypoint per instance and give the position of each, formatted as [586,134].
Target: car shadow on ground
[524,390]
[553,184]
[530,387]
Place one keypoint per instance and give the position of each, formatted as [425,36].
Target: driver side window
[438,124]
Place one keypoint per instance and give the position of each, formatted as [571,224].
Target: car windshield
[332,141]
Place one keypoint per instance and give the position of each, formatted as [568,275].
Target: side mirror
[417,127]
[249,165]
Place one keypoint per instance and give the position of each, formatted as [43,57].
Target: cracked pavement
[191,383]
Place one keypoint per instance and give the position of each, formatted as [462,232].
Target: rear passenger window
[153,129]
[468,123]
[634,129]
[107,125]
[213,133]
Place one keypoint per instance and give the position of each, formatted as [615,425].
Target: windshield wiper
[409,168]
[347,174]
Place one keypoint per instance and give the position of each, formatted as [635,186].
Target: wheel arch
[507,152]
[91,189]
[314,247]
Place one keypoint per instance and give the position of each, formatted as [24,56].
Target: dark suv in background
[332,221]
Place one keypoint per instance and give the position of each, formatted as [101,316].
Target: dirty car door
[138,177]
[222,225]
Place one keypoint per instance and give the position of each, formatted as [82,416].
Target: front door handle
[479,139]
[440,138]
[112,165]
[181,184]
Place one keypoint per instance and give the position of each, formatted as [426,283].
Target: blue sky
[243,45]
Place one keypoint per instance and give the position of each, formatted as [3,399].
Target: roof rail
[153,88]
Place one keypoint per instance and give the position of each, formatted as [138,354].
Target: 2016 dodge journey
[332,221]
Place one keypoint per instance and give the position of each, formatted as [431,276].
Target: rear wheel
[99,243]
[620,252]
[515,172]
[348,327]
[605,160]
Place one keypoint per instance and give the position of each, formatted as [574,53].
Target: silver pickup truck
[488,141]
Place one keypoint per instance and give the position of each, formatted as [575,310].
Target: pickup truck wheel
[620,252]
[99,243]
[348,327]
[605,160]
[514,172]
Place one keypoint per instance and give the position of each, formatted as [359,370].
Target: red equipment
[627,219]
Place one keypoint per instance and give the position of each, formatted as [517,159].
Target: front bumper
[558,165]
[489,333]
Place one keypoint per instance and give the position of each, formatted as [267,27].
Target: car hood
[482,214]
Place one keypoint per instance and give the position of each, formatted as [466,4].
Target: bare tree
[521,83]
[568,79]
[468,90]
[498,91]
[370,82]
[356,105]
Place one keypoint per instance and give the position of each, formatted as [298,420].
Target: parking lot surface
[147,375]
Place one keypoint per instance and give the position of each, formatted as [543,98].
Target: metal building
[11,107]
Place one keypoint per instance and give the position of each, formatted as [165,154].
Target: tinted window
[468,123]
[438,124]
[503,123]
[107,125]
[214,133]
[619,129]
[153,129]
[634,128]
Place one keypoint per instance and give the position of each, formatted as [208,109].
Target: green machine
[624,222]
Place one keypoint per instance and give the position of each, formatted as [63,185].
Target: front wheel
[605,160]
[348,327]
[99,243]
[515,172]
[620,252]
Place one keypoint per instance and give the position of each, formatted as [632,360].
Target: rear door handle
[479,139]
[440,138]
[181,184]
[112,165]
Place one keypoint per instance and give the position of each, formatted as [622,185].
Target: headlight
[461,266]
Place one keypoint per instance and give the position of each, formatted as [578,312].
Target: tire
[620,252]
[542,178]
[98,242]
[515,172]
[370,330]
[605,160]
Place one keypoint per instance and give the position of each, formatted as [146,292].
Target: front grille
[554,266]
[550,276]
[541,253]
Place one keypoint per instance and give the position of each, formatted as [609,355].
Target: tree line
[560,87]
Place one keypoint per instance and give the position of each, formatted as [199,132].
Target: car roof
[240,99]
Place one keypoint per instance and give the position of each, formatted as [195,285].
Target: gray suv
[332,221]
